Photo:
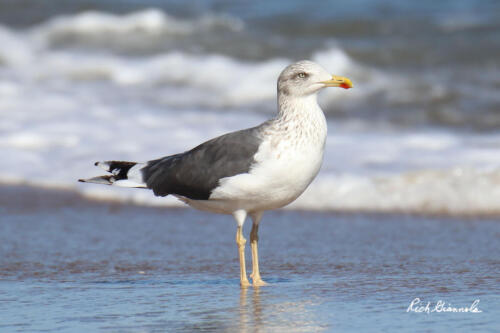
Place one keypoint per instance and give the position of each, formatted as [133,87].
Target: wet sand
[68,264]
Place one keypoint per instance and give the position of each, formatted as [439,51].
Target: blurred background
[84,80]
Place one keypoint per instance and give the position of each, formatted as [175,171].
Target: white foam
[147,21]
[25,140]
[456,191]
[15,50]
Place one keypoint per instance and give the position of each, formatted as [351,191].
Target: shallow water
[73,265]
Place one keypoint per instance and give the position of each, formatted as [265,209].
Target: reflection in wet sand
[250,310]
[259,312]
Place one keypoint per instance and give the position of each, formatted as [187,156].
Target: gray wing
[196,173]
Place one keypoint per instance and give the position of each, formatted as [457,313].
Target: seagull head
[305,78]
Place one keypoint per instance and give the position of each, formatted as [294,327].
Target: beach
[73,265]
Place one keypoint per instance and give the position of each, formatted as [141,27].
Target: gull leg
[241,241]
[240,216]
[254,238]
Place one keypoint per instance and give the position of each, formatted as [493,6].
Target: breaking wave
[456,191]
[145,22]
[174,77]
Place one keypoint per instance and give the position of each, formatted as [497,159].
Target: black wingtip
[81,180]
[96,163]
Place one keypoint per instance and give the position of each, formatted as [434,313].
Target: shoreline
[36,197]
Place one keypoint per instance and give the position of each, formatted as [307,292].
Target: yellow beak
[338,81]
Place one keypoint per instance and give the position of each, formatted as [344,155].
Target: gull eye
[302,75]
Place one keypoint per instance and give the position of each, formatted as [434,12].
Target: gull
[246,172]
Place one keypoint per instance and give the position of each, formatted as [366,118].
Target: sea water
[89,81]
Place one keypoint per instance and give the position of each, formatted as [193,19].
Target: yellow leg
[254,238]
[241,241]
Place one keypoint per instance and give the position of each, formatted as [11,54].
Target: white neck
[303,116]
[297,107]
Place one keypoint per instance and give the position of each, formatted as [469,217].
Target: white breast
[286,163]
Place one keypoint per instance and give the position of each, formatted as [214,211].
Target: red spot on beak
[344,85]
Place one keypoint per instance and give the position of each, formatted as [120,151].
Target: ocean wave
[178,78]
[216,61]
[146,32]
[183,79]
[455,191]
[145,22]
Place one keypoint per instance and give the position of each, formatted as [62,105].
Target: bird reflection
[251,314]
[262,310]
